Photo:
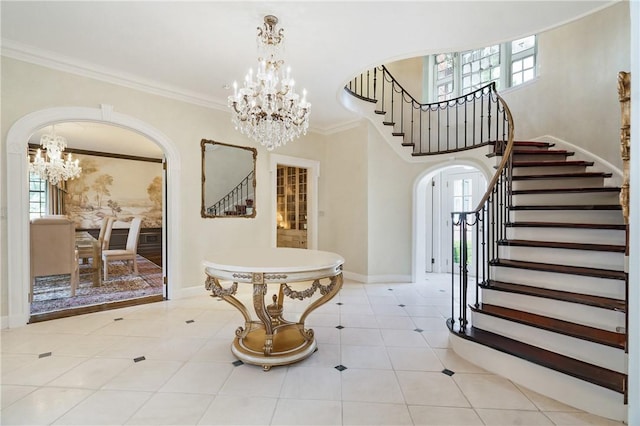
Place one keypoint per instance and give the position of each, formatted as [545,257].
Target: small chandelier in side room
[267,109]
[54,168]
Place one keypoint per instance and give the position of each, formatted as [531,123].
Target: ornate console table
[272,340]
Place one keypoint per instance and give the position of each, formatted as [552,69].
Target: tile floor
[170,363]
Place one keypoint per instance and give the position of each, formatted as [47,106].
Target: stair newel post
[453,275]
[485,270]
[413,111]
[477,252]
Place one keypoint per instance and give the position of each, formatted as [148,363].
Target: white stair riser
[589,182]
[565,198]
[604,319]
[547,170]
[561,387]
[592,353]
[568,235]
[568,257]
[603,287]
[609,217]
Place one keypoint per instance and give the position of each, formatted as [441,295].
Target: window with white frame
[507,64]
[37,196]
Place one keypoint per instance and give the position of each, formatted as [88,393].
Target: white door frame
[18,258]
[313,173]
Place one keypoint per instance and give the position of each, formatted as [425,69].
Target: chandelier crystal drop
[54,168]
[267,109]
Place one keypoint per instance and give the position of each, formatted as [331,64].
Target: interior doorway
[291,206]
[435,197]
[18,262]
[294,198]
[123,180]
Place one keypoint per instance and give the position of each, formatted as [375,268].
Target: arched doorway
[432,204]
[17,194]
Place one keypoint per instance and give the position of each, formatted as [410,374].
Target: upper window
[506,64]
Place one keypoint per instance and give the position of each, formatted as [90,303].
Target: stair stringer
[561,387]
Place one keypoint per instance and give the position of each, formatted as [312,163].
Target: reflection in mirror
[228,180]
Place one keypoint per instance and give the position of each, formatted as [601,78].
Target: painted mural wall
[118,187]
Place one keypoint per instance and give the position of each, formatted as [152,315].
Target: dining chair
[105,232]
[129,253]
[53,250]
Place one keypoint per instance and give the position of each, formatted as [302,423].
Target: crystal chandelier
[54,168]
[267,109]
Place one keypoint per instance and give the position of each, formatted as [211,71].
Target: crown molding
[22,52]
[48,59]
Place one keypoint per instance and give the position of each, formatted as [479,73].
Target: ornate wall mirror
[228,180]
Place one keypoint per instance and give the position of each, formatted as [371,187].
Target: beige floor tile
[430,388]
[455,363]
[251,380]
[12,393]
[389,310]
[172,409]
[395,322]
[490,391]
[492,417]
[92,373]
[43,406]
[404,338]
[371,386]
[437,338]
[370,413]
[41,371]
[418,359]
[302,412]
[87,346]
[176,348]
[444,416]
[130,347]
[365,357]
[312,383]
[199,377]
[215,350]
[361,336]
[148,375]
[358,321]
[546,404]
[239,410]
[105,408]
[326,355]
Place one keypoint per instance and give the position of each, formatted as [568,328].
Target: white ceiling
[192,50]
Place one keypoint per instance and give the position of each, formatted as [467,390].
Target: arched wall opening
[18,258]
[421,211]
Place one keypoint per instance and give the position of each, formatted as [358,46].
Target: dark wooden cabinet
[149,243]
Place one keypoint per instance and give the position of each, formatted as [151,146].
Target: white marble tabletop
[272,260]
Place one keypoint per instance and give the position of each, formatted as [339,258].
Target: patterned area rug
[53,293]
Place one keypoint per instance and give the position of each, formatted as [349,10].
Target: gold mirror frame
[228,180]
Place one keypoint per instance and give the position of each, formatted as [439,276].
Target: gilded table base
[272,340]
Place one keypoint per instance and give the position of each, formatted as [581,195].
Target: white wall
[575,97]
[27,88]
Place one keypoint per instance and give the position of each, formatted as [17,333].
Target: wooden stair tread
[551,163]
[568,207]
[566,296]
[565,190]
[562,245]
[408,144]
[600,376]
[528,143]
[567,225]
[562,176]
[398,134]
[579,331]
[562,269]
[379,112]
[534,152]
[388,123]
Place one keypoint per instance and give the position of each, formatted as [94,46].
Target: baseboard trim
[376,279]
